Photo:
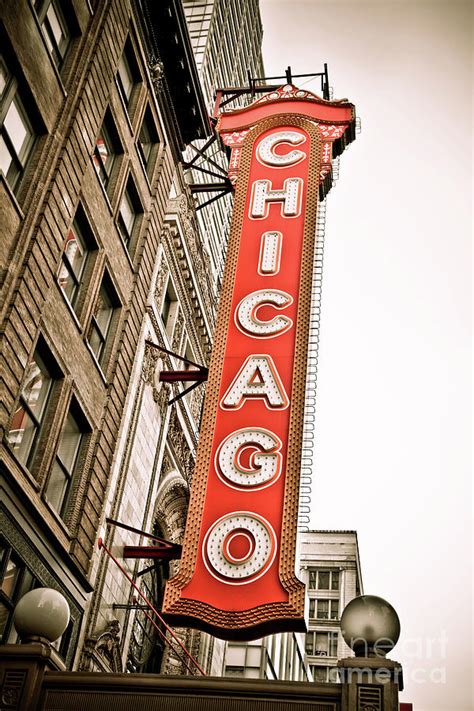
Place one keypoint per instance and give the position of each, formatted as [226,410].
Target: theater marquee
[237,573]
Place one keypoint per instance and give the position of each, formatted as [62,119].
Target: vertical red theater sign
[237,572]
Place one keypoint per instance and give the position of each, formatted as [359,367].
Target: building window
[324,609]
[100,328]
[29,418]
[129,209]
[107,148]
[55,29]
[325,674]
[15,581]
[148,140]
[169,309]
[66,462]
[323,579]
[74,259]
[17,136]
[127,74]
[321,644]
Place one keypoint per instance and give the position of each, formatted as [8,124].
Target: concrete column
[22,668]
[370,683]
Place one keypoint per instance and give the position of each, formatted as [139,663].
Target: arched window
[145,653]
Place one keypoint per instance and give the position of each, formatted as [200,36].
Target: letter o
[239,548]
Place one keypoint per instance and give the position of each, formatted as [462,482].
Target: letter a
[257,378]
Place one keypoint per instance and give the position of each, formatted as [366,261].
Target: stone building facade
[94,116]
[226,36]
[152,470]
[331,571]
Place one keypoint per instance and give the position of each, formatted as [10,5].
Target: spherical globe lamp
[43,614]
[370,626]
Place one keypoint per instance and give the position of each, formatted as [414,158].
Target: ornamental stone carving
[102,652]
[184,456]
[160,283]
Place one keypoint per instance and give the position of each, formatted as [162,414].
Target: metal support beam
[196,377]
[201,153]
[209,187]
[126,527]
[224,96]
[163,551]
[172,639]
[183,376]
[213,199]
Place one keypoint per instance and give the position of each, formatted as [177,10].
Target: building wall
[156,446]
[278,656]
[151,493]
[330,569]
[227,41]
[136,454]
[65,107]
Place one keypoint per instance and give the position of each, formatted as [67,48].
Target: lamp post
[40,618]
[370,627]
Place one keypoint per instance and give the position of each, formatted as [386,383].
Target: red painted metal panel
[237,572]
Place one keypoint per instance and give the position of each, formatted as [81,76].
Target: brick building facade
[92,129]
[102,260]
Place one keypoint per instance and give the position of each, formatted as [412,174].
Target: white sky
[393,447]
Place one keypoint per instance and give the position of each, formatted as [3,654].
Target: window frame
[128,57]
[27,580]
[12,95]
[110,137]
[130,194]
[70,475]
[57,53]
[80,227]
[314,611]
[313,579]
[20,586]
[169,315]
[148,123]
[49,364]
[332,637]
[329,671]
[107,286]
